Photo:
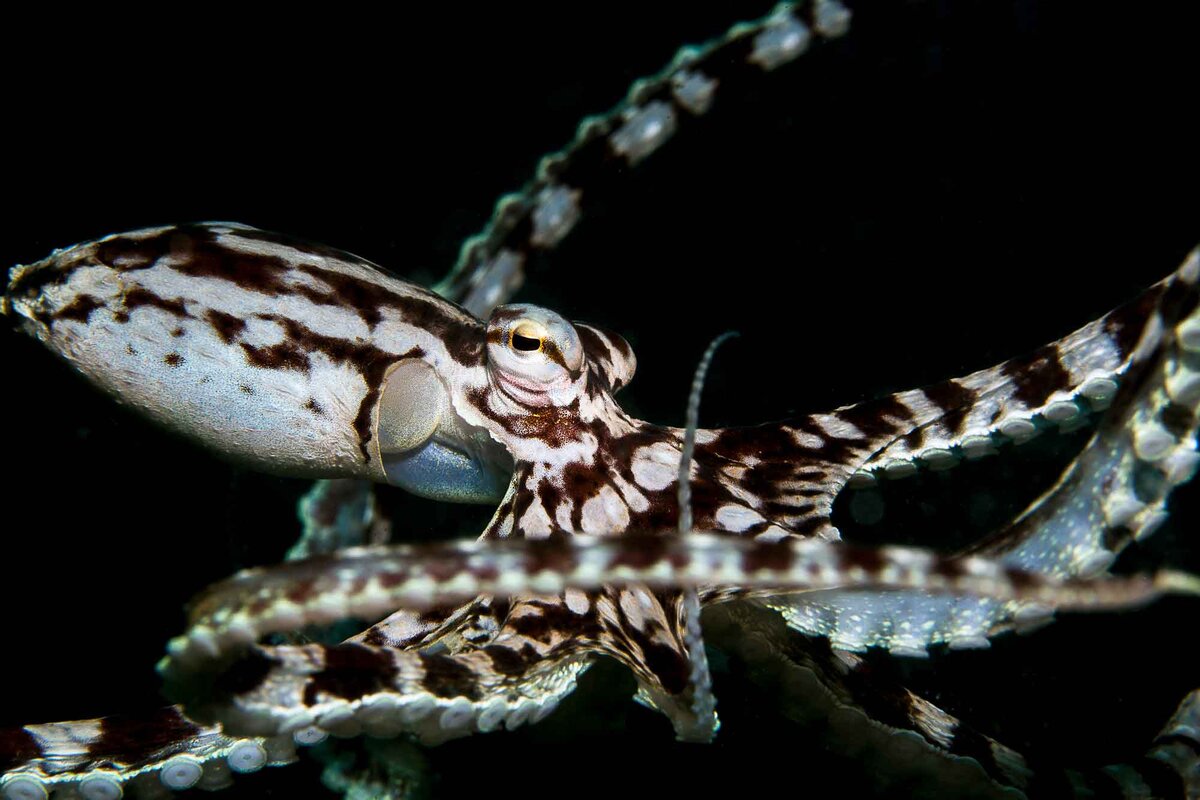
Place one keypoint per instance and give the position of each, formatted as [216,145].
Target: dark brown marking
[667,664]
[246,674]
[129,349]
[139,296]
[580,484]
[1035,377]
[136,739]
[315,407]
[351,671]
[127,255]
[1178,419]
[1124,325]
[121,316]
[551,351]
[1116,537]
[446,677]
[766,555]
[201,255]
[506,661]
[178,332]
[246,388]
[879,418]
[641,552]
[555,617]
[553,555]
[956,402]
[284,355]
[597,354]
[227,326]
[461,333]
[375,637]
[553,425]
[173,360]
[17,746]
[79,310]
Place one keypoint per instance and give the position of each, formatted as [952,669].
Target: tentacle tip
[1176,582]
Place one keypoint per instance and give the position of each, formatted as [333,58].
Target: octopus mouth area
[531,393]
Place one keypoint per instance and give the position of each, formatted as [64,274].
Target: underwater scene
[953,240]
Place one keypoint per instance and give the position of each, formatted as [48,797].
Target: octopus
[604,377]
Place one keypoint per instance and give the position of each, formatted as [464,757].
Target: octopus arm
[572,598]
[1112,493]
[797,467]
[148,753]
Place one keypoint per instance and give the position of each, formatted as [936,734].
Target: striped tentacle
[1113,492]
[349,689]
[798,466]
[146,755]
[490,266]
[656,634]
[1059,386]
[369,582]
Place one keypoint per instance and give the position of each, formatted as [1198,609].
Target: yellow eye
[526,337]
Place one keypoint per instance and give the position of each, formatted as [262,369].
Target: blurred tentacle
[490,265]
[369,582]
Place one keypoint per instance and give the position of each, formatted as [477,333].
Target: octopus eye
[527,337]
[534,355]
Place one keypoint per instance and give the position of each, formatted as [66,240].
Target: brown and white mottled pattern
[556,579]
[278,353]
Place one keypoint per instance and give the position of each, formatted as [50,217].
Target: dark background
[953,184]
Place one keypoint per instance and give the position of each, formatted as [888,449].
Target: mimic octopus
[610,533]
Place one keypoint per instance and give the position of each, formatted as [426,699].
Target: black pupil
[525,343]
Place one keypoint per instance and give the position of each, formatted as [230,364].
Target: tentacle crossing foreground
[610,533]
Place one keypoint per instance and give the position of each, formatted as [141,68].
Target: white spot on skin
[535,522]
[735,518]
[655,466]
[634,607]
[577,601]
[807,440]
[605,513]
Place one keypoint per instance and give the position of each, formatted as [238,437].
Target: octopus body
[306,361]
